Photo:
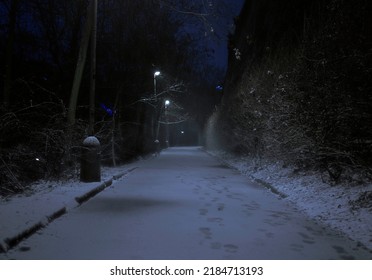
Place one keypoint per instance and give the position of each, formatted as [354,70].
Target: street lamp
[92,90]
[153,124]
[166,104]
[157,73]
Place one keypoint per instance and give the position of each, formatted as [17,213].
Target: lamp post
[166,104]
[92,90]
[157,73]
[153,124]
[90,167]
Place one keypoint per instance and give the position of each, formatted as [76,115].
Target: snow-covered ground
[18,214]
[324,203]
[336,206]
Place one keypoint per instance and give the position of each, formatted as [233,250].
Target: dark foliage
[299,85]
[39,44]
[34,145]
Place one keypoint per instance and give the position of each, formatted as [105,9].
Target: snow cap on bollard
[91,141]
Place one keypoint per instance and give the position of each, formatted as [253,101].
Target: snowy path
[186,205]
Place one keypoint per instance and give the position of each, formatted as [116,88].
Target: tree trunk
[71,117]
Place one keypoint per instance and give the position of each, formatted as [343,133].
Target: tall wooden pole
[92,94]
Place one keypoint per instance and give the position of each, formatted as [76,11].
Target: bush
[307,104]
[34,145]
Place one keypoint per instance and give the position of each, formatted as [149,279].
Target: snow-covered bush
[304,100]
[34,145]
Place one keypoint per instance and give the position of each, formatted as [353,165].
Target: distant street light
[157,73]
[166,103]
[154,125]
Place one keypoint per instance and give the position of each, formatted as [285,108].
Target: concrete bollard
[90,169]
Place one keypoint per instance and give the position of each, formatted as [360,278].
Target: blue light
[108,110]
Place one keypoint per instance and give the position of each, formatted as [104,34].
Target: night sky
[212,30]
[223,26]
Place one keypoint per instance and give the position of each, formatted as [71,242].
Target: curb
[254,179]
[269,187]
[85,197]
[11,242]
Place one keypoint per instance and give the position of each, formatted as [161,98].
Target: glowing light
[108,110]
